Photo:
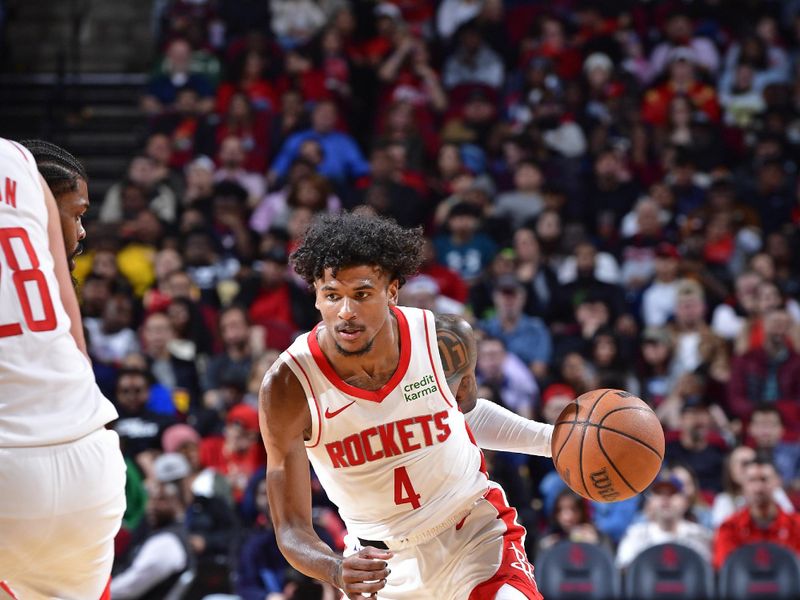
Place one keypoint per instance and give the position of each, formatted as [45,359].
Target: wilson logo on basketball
[603,485]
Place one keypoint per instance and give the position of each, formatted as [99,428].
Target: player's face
[354,305]
[71,207]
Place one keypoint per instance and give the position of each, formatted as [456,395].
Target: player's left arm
[494,427]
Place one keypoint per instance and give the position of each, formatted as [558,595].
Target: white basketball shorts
[60,508]
[472,560]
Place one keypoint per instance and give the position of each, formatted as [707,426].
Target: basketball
[608,445]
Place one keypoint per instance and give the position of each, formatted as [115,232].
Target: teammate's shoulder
[452,323]
[441,321]
[456,342]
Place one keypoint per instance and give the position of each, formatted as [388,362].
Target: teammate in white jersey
[62,475]
[382,400]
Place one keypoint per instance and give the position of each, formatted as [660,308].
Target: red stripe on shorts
[514,569]
[107,592]
[6,589]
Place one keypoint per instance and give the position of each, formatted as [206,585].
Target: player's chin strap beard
[78,251]
[360,352]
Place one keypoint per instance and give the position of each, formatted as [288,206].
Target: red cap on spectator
[667,250]
[557,389]
[244,415]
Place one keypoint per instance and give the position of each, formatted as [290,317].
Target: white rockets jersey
[48,393]
[397,461]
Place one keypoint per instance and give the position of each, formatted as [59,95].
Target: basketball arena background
[610,191]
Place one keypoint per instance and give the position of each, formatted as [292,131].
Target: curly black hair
[347,240]
[60,169]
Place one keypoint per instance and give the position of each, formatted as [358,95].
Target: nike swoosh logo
[330,414]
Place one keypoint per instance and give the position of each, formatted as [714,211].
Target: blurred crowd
[609,193]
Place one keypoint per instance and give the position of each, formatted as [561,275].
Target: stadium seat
[760,570]
[213,577]
[181,587]
[573,570]
[669,571]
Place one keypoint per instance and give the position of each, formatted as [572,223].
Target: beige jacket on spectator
[711,351]
[164,204]
[641,536]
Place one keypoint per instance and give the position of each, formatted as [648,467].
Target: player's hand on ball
[364,574]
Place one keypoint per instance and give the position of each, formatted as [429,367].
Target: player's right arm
[285,423]
[55,239]
[494,427]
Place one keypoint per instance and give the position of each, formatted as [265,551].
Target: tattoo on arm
[456,346]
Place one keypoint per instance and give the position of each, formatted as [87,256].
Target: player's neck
[380,361]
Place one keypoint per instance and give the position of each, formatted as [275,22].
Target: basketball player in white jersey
[62,475]
[382,401]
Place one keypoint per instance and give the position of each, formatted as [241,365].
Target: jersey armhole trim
[30,164]
[13,143]
[434,365]
[316,424]
[445,392]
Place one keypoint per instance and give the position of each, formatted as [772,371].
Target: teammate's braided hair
[59,168]
[348,240]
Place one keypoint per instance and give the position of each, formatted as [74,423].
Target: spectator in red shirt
[449,282]
[407,76]
[251,127]
[275,302]
[188,127]
[238,453]
[761,520]
[682,81]
[389,28]
[248,76]
[549,40]
[335,65]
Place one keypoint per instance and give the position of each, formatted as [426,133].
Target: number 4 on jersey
[404,492]
[23,276]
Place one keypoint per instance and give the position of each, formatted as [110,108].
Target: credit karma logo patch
[420,388]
